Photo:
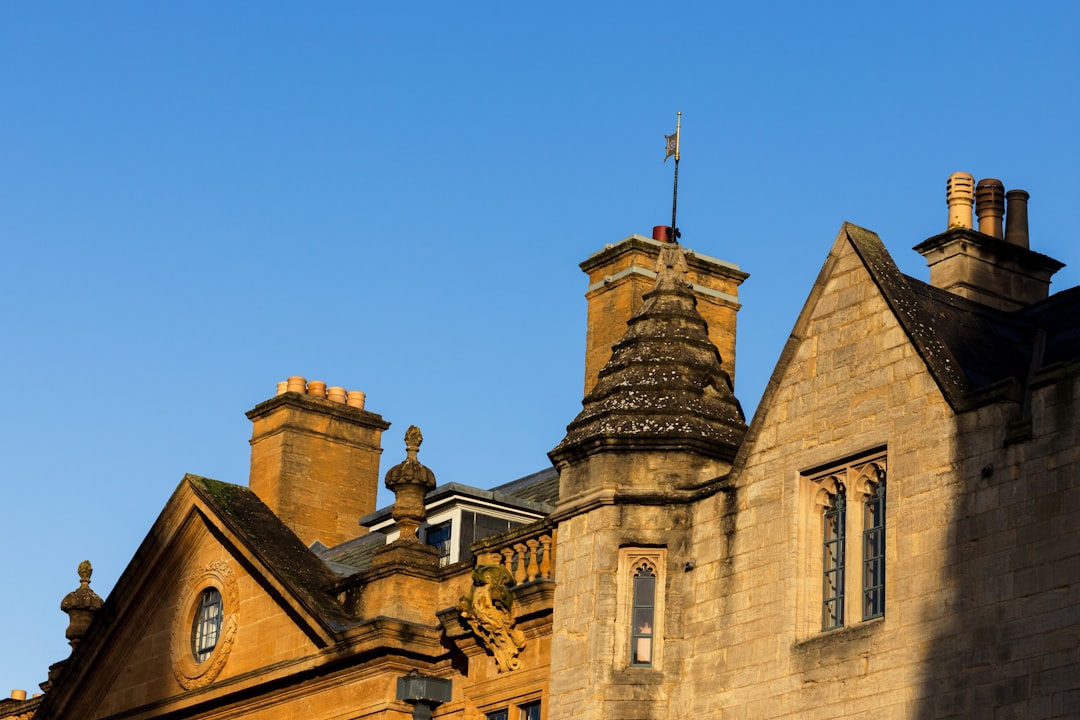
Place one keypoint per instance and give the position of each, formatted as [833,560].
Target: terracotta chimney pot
[960,195]
[990,206]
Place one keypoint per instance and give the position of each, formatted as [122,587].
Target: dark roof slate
[540,487]
[352,556]
[278,547]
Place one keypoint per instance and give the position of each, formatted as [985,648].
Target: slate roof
[970,347]
[537,493]
[540,487]
[665,386]
[352,556]
[295,565]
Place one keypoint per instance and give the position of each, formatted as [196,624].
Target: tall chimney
[1016,219]
[988,266]
[620,274]
[315,461]
[990,206]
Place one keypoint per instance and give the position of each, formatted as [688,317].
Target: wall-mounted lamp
[423,692]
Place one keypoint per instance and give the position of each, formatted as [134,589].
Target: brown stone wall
[143,653]
[1008,638]
[982,565]
[591,676]
[852,384]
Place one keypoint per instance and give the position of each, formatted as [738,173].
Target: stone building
[895,533]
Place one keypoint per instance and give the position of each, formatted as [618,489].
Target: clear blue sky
[199,199]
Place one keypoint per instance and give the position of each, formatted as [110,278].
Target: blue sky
[200,199]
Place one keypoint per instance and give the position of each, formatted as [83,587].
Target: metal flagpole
[675,192]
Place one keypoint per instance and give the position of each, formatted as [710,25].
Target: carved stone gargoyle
[489,611]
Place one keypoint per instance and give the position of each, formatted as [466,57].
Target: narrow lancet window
[832,605]
[643,614]
[873,585]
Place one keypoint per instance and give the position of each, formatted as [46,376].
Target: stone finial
[80,605]
[410,481]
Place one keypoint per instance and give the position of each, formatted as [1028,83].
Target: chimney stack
[315,459]
[988,266]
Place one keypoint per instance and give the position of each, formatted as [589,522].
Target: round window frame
[189,672]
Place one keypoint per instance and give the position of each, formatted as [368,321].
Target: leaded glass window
[206,627]
[643,616]
[873,581]
[832,594]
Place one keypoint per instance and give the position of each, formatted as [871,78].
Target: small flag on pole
[672,142]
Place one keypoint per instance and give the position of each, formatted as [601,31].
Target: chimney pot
[336,394]
[661,233]
[18,694]
[282,387]
[296,384]
[960,195]
[355,399]
[317,388]
[990,206]
[1016,218]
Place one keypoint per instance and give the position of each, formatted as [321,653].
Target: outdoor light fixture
[423,692]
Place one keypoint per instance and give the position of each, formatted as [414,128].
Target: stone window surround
[858,473]
[630,558]
[189,672]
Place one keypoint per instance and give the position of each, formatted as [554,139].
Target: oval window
[206,626]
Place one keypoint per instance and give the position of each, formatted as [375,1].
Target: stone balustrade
[527,553]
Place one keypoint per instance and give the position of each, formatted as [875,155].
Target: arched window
[873,585]
[206,627]
[643,616]
[849,503]
[832,565]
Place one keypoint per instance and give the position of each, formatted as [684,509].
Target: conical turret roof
[665,386]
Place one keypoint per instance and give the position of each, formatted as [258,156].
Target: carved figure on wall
[489,611]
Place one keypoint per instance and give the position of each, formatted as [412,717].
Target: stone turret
[657,431]
[621,274]
[665,390]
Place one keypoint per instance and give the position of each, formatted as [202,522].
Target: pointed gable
[273,610]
